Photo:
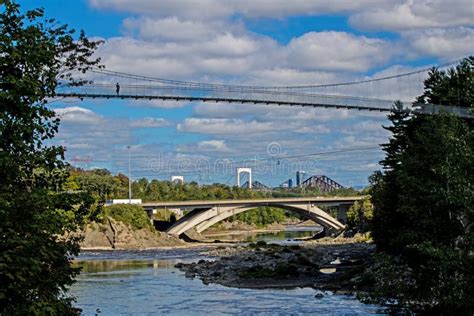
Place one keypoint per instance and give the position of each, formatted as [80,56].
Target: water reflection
[289,235]
[95,266]
[153,286]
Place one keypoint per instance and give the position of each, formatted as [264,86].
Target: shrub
[129,214]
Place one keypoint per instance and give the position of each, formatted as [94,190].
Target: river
[291,235]
[146,283]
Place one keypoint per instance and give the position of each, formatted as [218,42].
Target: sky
[265,42]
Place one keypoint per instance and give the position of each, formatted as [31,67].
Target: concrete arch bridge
[204,214]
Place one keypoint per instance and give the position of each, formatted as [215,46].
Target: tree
[423,201]
[451,87]
[35,216]
[99,184]
[360,215]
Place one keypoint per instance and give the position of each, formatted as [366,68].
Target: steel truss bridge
[377,94]
[324,183]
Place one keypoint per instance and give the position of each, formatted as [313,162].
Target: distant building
[123,201]
[299,178]
[288,184]
[177,179]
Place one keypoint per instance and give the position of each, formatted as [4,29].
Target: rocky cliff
[113,234]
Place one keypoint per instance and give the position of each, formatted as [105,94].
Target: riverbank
[112,234]
[327,264]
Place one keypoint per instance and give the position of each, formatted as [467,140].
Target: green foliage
[262,216]
[155,190]
[360,215]
[423,201]
[104,186]
[99,183]
[35,217]
[303,191]
[128,214]
[451,87]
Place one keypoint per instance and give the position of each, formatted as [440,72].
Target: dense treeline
[424,202]
[264,215]
[101,184]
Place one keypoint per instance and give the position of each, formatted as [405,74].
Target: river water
[291,235]
[146,283]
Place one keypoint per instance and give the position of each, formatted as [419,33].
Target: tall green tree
[450,87]
[36,53]
[424,200]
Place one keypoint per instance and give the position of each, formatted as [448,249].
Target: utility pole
[129,178]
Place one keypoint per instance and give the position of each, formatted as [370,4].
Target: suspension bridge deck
[377,95]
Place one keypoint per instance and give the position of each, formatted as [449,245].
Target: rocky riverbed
[328,264]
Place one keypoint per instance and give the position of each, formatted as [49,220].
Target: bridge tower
[244,170]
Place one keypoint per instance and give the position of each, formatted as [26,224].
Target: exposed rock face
[117,235]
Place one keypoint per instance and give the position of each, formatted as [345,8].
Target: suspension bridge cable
[200,84]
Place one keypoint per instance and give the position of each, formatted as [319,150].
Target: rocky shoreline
[328,264]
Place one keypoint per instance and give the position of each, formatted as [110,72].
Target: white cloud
[213,145]
[215,126]
[224,54]
[171,28]
[366,14]
[358,140]
[446,44]
[337,51]
[306,59]
[270,113]
[410,14]
[178,39]
[207,41]
[149,122]
[278,76]
[206,9]
[77,115]
[313,129]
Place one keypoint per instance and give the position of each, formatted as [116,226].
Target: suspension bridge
[378,94]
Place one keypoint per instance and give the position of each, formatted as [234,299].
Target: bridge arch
[202,219]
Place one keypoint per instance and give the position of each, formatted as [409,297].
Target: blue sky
[277,42]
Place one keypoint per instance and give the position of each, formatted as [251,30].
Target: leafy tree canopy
[423,201]
[36,53]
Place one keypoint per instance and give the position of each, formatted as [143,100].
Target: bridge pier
[342,212]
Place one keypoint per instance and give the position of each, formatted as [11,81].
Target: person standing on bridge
[117,88]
